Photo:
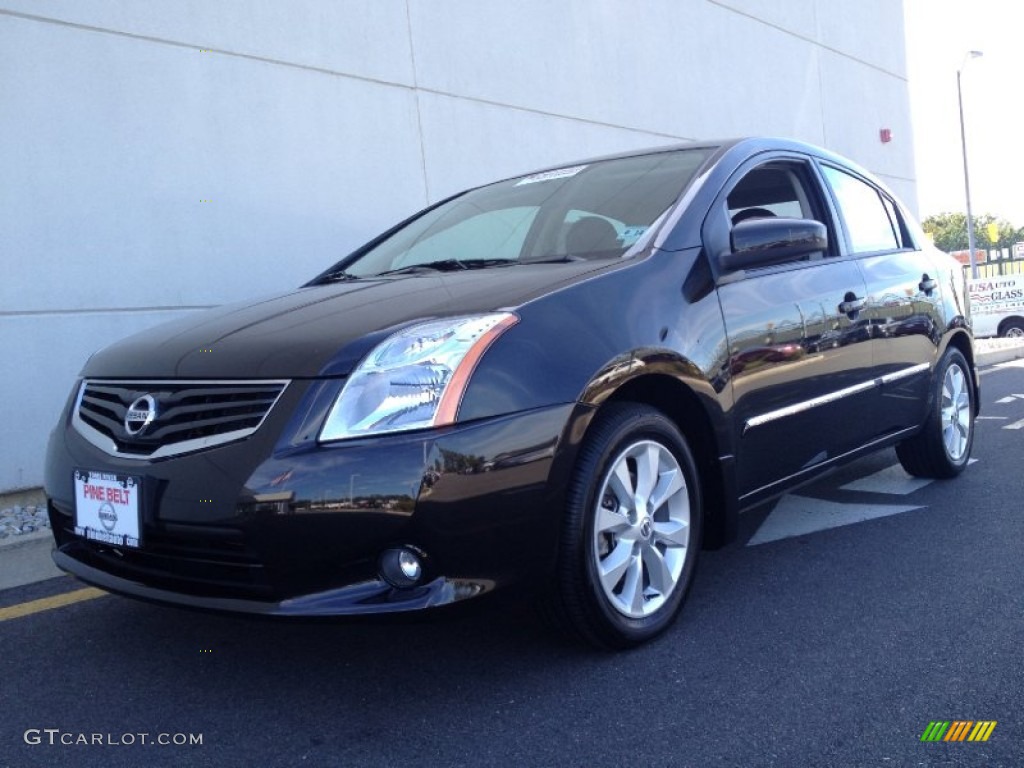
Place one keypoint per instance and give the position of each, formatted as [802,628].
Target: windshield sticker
[561,173]
[631,234]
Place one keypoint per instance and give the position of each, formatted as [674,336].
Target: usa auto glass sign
[107,507]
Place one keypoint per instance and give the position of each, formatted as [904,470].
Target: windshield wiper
[447,265]
[338,276]
[563,259]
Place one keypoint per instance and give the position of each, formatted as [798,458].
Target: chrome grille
[190,415]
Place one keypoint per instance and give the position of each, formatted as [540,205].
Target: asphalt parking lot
[850,616]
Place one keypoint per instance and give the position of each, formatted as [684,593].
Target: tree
[949,231]
[1007,235]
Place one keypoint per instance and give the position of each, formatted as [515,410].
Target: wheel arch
[962,341]
[676,395]
[1013,320]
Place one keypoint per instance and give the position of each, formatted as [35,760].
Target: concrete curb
[26,559]
[1002,354]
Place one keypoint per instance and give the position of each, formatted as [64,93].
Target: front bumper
[275,525]
[373,596]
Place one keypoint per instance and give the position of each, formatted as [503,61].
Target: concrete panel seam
[100,310]
[894,176]
[544,113]
[335,73]
[725,6]
[196,46]
[419,120]
[821,91]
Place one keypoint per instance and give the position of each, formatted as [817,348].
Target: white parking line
[894,480]
[1019,363]
[799,515]
[891,480]
[1015,425]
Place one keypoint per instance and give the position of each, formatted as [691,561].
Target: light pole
[963,146]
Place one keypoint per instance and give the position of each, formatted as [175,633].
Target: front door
[799,348]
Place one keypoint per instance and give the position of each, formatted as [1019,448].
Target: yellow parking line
[49,603]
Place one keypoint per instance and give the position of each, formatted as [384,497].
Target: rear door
[903,312]
[798,354]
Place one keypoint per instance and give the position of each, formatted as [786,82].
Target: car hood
[319,330]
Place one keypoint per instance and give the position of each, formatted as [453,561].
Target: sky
[939,33]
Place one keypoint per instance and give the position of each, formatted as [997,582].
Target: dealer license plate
[107,507]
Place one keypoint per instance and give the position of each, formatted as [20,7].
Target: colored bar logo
[958,730]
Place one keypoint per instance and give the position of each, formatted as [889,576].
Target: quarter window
[868,224]
[898,224]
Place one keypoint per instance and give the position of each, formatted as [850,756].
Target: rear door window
[869,225]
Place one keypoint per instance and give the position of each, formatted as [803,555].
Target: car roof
[744,145]
[747,144]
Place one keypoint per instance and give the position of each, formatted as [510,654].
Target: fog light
[401,567]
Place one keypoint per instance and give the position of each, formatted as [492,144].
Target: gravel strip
[17,521]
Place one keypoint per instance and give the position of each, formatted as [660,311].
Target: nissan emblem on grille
[140,415]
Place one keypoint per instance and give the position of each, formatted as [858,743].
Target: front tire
[632,529]
[942,448]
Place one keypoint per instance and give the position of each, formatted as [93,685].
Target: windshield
[592,211]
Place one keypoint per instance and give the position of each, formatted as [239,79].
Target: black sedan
[572,380]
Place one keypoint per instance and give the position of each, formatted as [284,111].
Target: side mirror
[760,242]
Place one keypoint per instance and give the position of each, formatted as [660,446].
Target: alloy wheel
[641,528]
[956,412]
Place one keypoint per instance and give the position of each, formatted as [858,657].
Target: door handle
[927,284]
[851,304]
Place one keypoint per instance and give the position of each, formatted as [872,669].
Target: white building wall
[157,158]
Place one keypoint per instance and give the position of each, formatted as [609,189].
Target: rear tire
[631,532]
[943,447]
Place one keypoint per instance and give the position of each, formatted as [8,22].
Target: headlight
[414,378]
